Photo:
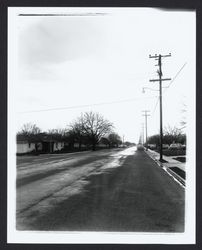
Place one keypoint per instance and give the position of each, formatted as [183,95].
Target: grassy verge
[173,152]
[181,159]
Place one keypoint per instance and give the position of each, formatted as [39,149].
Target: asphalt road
[107,190]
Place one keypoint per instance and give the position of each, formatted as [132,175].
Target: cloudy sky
[71,62]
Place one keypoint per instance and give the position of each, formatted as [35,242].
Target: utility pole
[146,114]
[159,71]
[143,134]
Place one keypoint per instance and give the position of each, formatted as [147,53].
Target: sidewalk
[173,167]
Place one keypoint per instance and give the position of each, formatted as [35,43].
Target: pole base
[162,160]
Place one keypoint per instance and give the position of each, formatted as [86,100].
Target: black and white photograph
[101,125]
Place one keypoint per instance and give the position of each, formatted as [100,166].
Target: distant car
[165,146]
[175,146]
[140,147]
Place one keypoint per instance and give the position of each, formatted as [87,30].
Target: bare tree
[171,135]
[57,133]
[183,122]
[31,132]
[114,139]
[94,126]
[105,141]
[77,131]
[29,129]
[174,135]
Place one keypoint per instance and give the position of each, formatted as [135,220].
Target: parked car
[175,146]
[151,146]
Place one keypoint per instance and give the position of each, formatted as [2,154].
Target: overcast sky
[76,60]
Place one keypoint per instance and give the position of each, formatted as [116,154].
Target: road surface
[106,190]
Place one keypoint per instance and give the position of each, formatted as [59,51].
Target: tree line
[171,135]
[89,129]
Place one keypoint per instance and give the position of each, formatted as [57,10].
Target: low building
[27,144]
[41,143]
[25,147]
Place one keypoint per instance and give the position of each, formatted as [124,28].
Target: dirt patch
[181,159]
[174,152]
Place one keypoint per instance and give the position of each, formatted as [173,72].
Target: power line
[63,14]
[99,104]
[155,106]
[176,75]
[179,71]
[182,127]
[82,106]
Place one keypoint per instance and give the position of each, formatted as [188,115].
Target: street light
[143,89]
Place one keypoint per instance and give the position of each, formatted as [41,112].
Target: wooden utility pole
[159,57]
[143,134]
[146,114]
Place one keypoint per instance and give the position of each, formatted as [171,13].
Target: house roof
[25,138]
[42,137]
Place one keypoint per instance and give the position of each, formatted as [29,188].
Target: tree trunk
[79,145]
[36,147]
[93,146]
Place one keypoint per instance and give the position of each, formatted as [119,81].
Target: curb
[179,178]
[168,170]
